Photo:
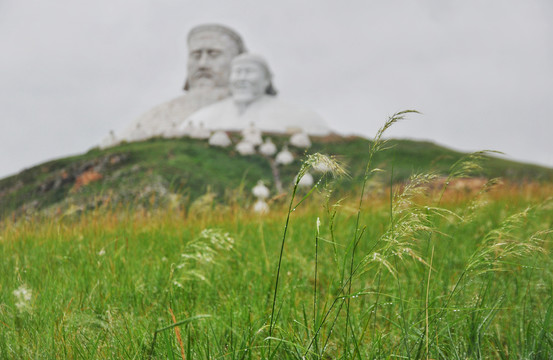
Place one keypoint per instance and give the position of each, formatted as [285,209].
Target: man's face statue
[210,54]
[248,81]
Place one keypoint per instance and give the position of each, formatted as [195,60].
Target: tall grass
[419,271]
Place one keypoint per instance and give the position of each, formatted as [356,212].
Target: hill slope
[181,170]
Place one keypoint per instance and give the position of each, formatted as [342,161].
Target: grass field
[412,271]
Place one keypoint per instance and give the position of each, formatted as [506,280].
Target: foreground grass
[428,273]
[473,283]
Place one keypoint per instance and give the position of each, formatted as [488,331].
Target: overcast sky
[481,72]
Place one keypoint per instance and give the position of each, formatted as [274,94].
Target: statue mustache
[202,73]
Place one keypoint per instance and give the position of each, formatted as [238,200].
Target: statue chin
[244,98]
[203,82]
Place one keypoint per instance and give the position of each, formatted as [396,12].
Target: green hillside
[182,170]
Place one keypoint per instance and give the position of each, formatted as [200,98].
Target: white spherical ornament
[260,207]
[170,132]
[284,157]
[305,181]
[260,191]
[252,134]
[268,148]
[300,140]
[109,141]
[200,133]
[186,130]
[220,138]
[245,148]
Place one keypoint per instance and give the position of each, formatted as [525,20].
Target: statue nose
[203,59]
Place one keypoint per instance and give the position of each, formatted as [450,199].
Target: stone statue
[211,49]
[254,101]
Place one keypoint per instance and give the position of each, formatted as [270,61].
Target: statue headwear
[247,57]
[222,29]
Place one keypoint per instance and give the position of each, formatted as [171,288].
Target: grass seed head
[323,163]
[23,296]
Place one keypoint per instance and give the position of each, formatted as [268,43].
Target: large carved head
[211,48]
[250,78]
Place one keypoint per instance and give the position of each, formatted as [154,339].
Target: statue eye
[195,55]
[213,53]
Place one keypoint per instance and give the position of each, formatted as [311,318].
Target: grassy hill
[158,170]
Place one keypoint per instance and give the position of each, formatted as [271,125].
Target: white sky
[480,71]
